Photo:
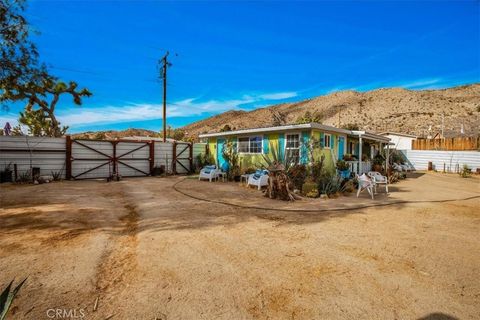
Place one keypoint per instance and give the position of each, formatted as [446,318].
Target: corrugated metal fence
[450,160]
[93,158]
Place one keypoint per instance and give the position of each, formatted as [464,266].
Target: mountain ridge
[384,109]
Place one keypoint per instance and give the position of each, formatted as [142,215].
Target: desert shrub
[308,188]
[297,174]
[312,193]
[231,157]
[396,176]
[57,175]
[331,184]
[25,177]
[203,159]
[465,172]
[309,117]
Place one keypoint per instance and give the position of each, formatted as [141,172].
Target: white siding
[34,154]
[401,142]
[164,155]
[452,159]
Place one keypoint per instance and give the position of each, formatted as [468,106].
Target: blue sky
[245,55]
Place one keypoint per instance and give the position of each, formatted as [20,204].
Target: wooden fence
[447,144]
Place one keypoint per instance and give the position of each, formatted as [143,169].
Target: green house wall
[276,144]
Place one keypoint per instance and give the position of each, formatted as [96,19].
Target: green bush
[308,187]
[465,172]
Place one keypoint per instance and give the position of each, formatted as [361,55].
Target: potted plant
[348,157]
[378,163]
[343,168]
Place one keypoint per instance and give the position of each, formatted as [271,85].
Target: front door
[220,159]
[341,147]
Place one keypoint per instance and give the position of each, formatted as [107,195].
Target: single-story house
[295,142]
[400,141]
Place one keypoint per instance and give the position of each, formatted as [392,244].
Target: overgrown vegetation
[230,155]
[202,160]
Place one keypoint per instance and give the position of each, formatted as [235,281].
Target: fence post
[174,155]
[151,158]
[68,157]
[191,157]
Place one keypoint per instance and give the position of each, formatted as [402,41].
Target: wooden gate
[182,157]
[88,159]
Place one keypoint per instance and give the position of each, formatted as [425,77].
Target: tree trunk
[279,187]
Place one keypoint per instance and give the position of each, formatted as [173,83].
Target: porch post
[360,169]
[388,156]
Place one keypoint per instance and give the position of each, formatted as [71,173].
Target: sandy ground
[147,251]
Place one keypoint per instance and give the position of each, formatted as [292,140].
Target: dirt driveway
[147,251]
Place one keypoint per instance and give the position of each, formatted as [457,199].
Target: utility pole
[164,65]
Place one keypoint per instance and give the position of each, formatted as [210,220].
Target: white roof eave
[274,129]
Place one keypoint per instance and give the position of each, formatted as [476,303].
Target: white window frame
[249,145]
[299,135]
[325,135]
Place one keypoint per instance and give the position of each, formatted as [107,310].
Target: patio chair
[377,179]
[209,172]
[258,179]
[365,183]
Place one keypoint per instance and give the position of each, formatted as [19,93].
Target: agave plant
[7,297]
[275,161]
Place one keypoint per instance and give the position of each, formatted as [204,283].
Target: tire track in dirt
[118,264]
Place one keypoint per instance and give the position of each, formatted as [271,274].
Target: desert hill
[392,109]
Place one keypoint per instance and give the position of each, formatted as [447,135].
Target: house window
[292,148]
[250,144]
[327,141]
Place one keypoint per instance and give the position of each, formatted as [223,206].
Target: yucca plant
[7,297]
[279,184]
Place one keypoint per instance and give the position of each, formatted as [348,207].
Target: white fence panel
[164,155]
[451,159]
[45,153]
[85,159]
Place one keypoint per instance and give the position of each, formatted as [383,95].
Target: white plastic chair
[209,172]
[365,183]
[258,180]
[377,179]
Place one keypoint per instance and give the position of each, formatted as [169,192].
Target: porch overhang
[370,136]
[291,127]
